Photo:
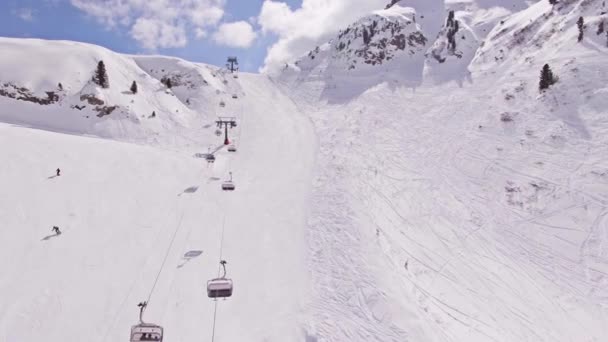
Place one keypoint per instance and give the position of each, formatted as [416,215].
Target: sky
[263,34]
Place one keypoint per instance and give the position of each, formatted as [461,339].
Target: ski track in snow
[118,206]
[370,205]
[481,265]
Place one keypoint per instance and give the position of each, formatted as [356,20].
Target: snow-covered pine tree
[581,28]
[546,78]
[101,76]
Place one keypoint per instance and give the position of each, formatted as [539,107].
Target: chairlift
[235,96]
[229,184]
[218,132]
[231,148]
[222,104]
[220,287]
[146,331]
[210,158]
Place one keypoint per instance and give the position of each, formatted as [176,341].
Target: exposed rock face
[23,94]
[375,40]
[91,99]
[105,110]
[391,4]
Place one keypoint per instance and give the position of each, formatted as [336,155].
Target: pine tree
[450,21]
[60,86]
[366,38]
[101,76]
[169,84]
[453,27]
[600,28]
[553,2]
[581,28]
[134,87]
[546,78]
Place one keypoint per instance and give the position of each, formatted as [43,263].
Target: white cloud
[199,33]
[237,34]
[152,33]
[203,16]
[156,23]
[25,14]
[315,22]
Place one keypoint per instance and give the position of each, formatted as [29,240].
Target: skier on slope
[58,172]
[56,230]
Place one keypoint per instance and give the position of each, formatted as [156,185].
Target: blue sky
[60,19]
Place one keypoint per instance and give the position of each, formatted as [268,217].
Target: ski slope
[120,205]
[411,200]
[473,207]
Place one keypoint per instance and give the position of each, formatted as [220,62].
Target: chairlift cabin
[219,288]
[231,148]
[228,186]
[218,132]
[146,332]
[210,158]
[235,96]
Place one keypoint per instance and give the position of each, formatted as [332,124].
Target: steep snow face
[544,30]
[408,42]
[477,209]
[49,84]
[395,38]
[449,56]
[467,25]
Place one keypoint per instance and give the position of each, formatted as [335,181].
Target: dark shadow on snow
[51,177]
[189,190]
[48,237]
[189,256]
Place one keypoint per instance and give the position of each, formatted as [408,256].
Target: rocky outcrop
[23,94]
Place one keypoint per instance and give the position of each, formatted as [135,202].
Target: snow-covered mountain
[406,181]
[58,92]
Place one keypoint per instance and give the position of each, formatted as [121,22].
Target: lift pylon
[226,122]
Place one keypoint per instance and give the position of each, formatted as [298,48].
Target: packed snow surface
[414,200]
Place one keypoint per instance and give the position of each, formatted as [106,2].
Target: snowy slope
[473,205]
[191,103]
[120,206]
[435,195]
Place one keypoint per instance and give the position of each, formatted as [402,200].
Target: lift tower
[226,122]
[232,64]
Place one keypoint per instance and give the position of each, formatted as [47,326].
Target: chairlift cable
[218,275]
[177,228]
[129,292]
